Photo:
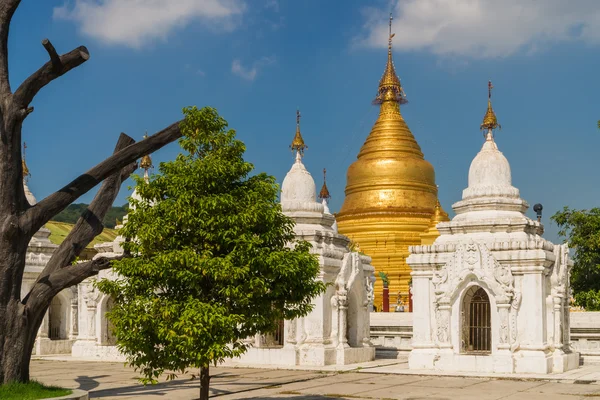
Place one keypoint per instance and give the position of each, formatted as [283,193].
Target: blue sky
[256,61]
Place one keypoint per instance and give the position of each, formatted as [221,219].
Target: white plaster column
[314,321]
[74,331]
[422,328]
[91,313]
[443,325]
[532,312]
[335,320]
[290,333]
[503,331]
[343,319]
[558,329]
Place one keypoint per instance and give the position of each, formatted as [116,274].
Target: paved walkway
[115,381]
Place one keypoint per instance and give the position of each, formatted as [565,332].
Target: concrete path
[115,381]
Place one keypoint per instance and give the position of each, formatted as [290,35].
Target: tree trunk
[204,382]
[20,324]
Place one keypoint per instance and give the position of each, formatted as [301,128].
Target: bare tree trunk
[21,317]
[204,382]
[15,343]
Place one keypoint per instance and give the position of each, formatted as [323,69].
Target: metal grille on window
[54,319]
[480,326]
[279,333]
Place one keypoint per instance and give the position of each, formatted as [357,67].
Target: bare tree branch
[54,58]
[54,68]
[48,287]
[35,217]
[89,225]
[7,10]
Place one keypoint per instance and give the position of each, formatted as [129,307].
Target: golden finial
[439,215]
[298,142]
[26,173]
[489,120]
[324,194]
[390,88]
[146,161]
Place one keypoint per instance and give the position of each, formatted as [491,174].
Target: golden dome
[298,142]
[489,120]
[391,193]
[324,193]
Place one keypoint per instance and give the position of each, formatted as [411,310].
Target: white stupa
[337,329]
[491,294]
[59,326]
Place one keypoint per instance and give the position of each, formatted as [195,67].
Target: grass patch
[60,230]
[31,391]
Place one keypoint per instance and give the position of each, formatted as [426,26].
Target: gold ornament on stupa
[439,215]
[324,193]
[146,161]
[490,122]
[391,194]
[298,142]
[26,173]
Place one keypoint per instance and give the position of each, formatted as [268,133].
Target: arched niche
[58,317]
[476,320]
[107,336]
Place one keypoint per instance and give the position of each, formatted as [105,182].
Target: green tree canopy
[210,259]
[581,229]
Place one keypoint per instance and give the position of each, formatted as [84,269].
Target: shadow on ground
[88,383]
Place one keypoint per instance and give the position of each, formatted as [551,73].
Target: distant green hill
[72,213]
[60,230]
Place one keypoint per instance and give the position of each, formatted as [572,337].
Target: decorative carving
[473,259]
[442,319]
[350,273]
[515,304]
[370,288]
[472,255]
[503,310]
[91,295]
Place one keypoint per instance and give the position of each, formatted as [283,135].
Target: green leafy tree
[210,262]
[581,229]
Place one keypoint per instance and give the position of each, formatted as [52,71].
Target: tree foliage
[210,259]
[581,229]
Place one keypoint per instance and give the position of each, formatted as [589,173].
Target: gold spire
[489,120]
[324,194]
[298,142]
[439,215]
[146,161]
[390,88]
[26,173]
[390,189]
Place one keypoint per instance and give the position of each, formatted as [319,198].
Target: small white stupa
[59,327]
[337,329]
[491,294]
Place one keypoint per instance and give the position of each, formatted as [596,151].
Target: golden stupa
[391,195]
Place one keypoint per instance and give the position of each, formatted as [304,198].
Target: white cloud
[136,22]
[249,73]
[483,28]
[272,4]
